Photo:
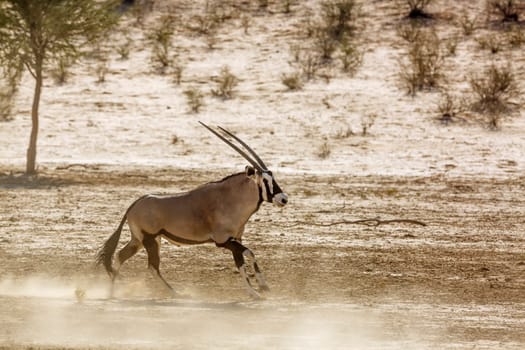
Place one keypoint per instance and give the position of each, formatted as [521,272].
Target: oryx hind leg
[130,249]
[152,245]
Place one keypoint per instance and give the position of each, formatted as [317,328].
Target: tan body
[213,212]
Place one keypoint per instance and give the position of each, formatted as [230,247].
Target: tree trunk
[31,150]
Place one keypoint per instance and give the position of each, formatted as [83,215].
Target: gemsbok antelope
[215,212]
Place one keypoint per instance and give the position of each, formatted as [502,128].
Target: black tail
[105,254]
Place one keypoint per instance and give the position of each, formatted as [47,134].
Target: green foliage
[36,34]
[38,31]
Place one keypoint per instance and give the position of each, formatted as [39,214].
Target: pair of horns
[257,163]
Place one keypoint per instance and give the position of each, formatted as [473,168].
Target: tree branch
[367,222]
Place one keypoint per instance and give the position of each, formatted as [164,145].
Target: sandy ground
[454,284]
[457,283]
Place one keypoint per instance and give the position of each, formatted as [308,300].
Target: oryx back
[211,212]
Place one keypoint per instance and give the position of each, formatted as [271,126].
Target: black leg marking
[236,248]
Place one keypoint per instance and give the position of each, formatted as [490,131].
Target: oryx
[215,212]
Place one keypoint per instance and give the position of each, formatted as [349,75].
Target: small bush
[468,25]
[367,121]
[493,90]
[491,42]
[6,103]
[61,73]
[209,21]
[417,8]
[425,63]
[409,31]
[195,99]
[124,47]
[350,56]
[310,64]
[506,10]
[263,4]
[292,81]
[344,133]
[226,82]
[9,81]
[339,17]
[246,22]
[141,9]
[325,44]
[177,73]
[515,36]
[160,37]
[101,69]
[324,150]
[451,45]
[287,5]
[449,108]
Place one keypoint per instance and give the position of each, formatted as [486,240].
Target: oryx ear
[250,171]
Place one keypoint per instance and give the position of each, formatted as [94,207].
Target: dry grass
[61,71]
[195,99]
[417,8]
[468,25]
[494,89]
[160,38]
[504,10]
[226,82]
[324,150]
[292,81]
[449,108]
[423,69]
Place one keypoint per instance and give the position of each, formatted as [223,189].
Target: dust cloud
[52,312]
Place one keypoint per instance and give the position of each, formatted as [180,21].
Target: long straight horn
[248,148]
[241,152]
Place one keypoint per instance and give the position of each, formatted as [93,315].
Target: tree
[37,33]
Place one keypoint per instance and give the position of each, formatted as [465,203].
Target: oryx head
[268,187]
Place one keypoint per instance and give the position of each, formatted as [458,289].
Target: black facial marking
[269,195]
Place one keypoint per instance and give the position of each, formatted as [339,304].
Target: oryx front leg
[261,281]
[239,252]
